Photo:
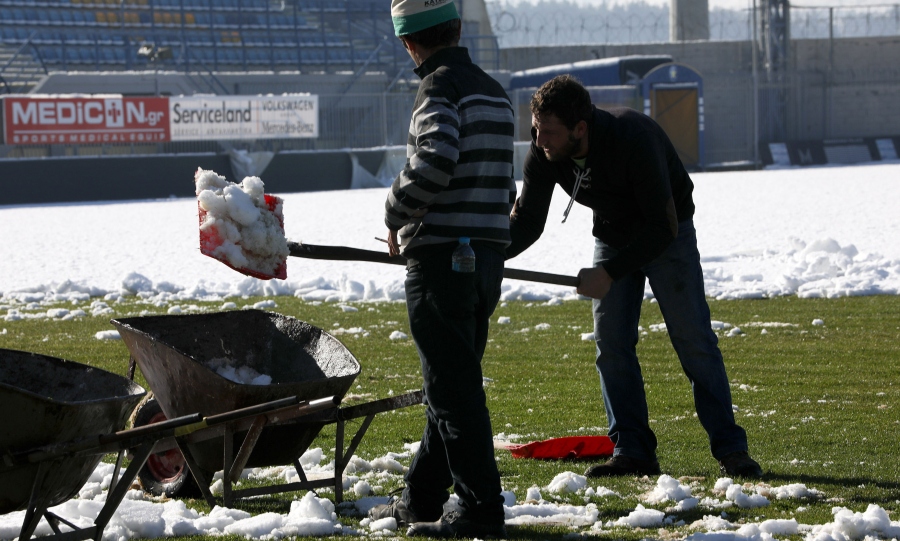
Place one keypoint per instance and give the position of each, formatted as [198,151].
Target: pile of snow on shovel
[252,236]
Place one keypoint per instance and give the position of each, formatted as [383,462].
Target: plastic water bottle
[464,256]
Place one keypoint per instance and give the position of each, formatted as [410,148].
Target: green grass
[821,404]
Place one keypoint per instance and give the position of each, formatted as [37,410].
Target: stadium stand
[206,35]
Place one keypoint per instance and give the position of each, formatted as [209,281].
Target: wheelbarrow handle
[102,443]
[344,253]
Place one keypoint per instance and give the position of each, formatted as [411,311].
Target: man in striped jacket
[457,183]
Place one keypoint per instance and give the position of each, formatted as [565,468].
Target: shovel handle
[344,253]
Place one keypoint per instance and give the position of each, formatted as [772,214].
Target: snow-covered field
[817,232]
[814,232]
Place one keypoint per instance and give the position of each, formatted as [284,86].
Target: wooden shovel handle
[344,253]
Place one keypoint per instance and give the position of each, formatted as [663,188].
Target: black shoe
[740,464]
[453,524]
[623,465]
[394,508]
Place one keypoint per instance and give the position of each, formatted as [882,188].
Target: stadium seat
[51,37]
[79,18]
[9,35]
[107,56]
[51,55]
[72,56]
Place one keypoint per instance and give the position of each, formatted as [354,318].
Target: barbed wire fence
[549,23]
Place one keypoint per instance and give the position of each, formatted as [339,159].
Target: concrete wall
[110,178]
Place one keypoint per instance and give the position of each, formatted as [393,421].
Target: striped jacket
[459,158]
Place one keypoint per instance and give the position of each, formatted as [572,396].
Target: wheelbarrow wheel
[165,473]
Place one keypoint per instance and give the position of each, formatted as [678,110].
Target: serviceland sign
[242,117]
[77,119]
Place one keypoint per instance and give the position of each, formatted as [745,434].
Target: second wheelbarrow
[46,400]
[49,402]
[266,357]
[179,356]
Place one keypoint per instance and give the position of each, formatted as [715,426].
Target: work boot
[623,465]
[740,464]
[394,508]
[455,524]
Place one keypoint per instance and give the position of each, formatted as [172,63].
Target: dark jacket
[460,159]
[633,181]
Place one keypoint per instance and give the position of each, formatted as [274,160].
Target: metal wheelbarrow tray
[44,401]
[174,353]
[304,362]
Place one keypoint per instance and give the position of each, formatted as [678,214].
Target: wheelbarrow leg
[115,497]
[246,448]
[227,461]
[202,482]
[300,472]
[341,458]
[54,520]
[339,463]
[115,475]
[36,507]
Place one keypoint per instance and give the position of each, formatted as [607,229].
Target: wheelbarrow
[45,402]
[182,358]
[141,443]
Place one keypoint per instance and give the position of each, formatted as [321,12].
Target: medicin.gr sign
[77,119]
[244,117]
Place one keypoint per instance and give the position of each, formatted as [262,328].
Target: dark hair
[445,34]
[565,97]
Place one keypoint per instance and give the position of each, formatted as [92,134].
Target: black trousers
[449,314]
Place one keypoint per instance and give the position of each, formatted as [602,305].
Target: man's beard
[572,146]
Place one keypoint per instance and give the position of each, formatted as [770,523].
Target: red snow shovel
[561,448]
[210,240]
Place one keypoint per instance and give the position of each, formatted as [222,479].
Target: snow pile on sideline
[760,233]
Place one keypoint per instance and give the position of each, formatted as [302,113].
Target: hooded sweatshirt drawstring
[579,176]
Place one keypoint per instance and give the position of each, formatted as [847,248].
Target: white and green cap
[413,15]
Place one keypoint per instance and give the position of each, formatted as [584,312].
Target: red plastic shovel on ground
[210,240]
[568,447]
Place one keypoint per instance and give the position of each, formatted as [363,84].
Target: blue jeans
[677,283]
[449,314]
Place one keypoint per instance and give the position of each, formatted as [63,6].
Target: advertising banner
[244,117]
[43,120]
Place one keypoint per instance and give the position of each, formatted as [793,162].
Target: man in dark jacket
[621,164]
[457,183]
